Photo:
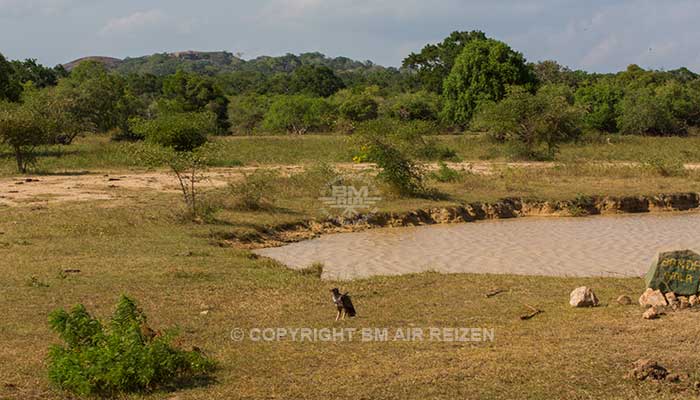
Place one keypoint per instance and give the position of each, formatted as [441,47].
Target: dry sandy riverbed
[47,189]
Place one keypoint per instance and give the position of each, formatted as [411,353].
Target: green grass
[97,152]
[175,272]
[137,244]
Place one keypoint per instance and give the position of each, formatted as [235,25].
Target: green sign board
[675,271]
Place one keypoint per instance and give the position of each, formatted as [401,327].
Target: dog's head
[335,291]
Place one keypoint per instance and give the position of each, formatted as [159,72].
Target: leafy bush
[358,107]
[299,114]
[380,141]
[22,132]
[446,174]
[256,191]
[125,355]
[247,112]
[601,102]
[180,131]
[644,112]
[420,105]
[665,167]
[529,121]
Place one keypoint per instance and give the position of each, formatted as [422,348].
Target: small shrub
[665,167]
[124,355]
[315,269]
[446,174]
[34,281]
[256,191]
[580,205]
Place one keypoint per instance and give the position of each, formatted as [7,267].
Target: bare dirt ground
[49,189]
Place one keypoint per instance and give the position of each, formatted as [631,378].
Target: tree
[422,105]
[100,97]
[434,62]
[10,88]
[387,144]
[547,118]
[356,106]
[601,100]
[42,118]
[550,72]
[248,111]
[644,112]
[315,80]
[188,92]
[181,136]
[31,71]
[298,114]
[481,73]
[179,131]
[22,132]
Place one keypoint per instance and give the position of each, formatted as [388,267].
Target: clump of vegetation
[421,105]
[664,166]
[179,137]
[179,131]
[124,355]
[580,205]
[35,282]
[315,269]
[482,72]
[528,121]
[256,191]
[385,144]
[299,114]
[446,174]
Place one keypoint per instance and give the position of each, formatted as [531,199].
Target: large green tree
[315,80]
[482,73]
[435,61]
[188,92]
[10,88]
[530,121]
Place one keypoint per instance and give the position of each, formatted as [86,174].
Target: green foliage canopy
[481,73]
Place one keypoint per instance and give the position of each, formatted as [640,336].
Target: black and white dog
[343,304]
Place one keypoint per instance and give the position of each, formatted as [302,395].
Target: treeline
[467,81]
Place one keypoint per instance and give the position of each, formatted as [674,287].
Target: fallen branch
[493,293]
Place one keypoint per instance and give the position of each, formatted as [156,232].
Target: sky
[594,35]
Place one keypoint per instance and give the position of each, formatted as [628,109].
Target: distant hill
[110,62]
[212,63]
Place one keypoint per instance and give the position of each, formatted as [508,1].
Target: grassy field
[138,244]
[141,248]
[97,152]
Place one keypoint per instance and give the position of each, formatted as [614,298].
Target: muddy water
[593,246]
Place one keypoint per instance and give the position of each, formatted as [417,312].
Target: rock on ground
[624,300]
[651,298]
[583,297]
[653,312]
[693,300]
